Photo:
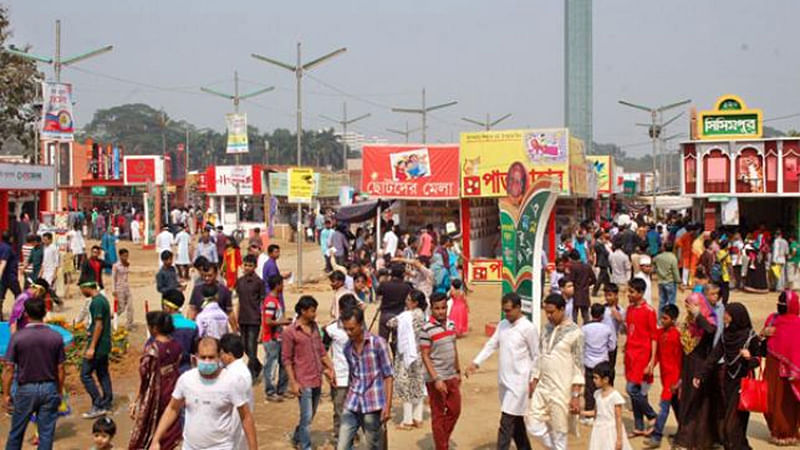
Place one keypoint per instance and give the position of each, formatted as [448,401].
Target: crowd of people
[221,298]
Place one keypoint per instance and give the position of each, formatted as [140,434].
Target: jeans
[273,351]
[663,414]
[641,407]
[603,279]
[584,310]
[338,394]
[371,424]
[41,399]
[308,401]
[666,295]
[588,388]
[250,342]
[99,366]
[13,286]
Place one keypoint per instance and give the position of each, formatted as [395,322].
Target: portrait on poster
[410,165]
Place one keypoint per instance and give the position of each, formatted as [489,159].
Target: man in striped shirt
[443,375]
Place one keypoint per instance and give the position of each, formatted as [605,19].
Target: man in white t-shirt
[232,355]
[212,396]
[390,240]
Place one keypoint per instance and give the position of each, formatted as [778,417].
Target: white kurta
[50,264]
[519,348]
[182,241]
[560,366]
[164,241]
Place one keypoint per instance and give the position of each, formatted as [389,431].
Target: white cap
[645,261]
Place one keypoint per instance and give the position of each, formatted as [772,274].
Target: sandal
[417,424]
[404,427]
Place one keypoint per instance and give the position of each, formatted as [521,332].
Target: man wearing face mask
[211,396]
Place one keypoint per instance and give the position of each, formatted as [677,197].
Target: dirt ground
[476,428]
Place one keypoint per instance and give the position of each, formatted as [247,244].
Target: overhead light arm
[500,120]
[257,92]
[21,54]
[674,105]
[322,59]
[77,58]
[273,61]
[217,93]
[443,105]
[634,105]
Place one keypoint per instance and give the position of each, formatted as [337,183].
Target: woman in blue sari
[109,245]
[441,277]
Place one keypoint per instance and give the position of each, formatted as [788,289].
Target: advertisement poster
[58,122]
[27,176]
[602,165]
[237,133]
[523,223]
[301,185]
[410,171]
[730,212]
[223,180]
[143,169]
[486,156]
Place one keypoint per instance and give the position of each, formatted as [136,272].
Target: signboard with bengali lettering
[485,270]
[730,119]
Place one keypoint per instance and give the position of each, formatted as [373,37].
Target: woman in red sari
[782,370]
[158,371]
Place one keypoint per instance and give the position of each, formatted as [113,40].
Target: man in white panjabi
[164,241]
[517,340]
[557,378]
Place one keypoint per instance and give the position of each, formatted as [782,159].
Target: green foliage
[19,84]
[138,128]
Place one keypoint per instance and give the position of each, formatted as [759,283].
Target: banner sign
[326,185]
[301,185]
[410,171]
[57,120]
[730,119]
[486,156]
[523,223]
[485,270]
[222,180]
[27,176]
[602,166]
[237,133]
[143,169]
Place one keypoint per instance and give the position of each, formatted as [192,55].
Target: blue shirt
[271,269]
[581,248]
[599,339]
[653,242]
[324,237]
[365,392]
[11,272]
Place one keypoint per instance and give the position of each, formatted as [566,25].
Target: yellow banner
[485,270]
[602,165]
[487,156]
[301,185]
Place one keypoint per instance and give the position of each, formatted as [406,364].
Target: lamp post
[488,123]
[424,113]
[57,62]
[299,69]
[655,132]
[344,123]
[236,98]
[405,133]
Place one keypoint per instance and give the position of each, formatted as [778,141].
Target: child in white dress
[608,432]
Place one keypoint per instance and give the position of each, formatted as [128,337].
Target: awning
[667,202]
[361,212]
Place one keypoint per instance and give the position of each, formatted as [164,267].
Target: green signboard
[99,191]
[730,119]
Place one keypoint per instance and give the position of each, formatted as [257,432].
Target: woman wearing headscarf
[109,245]
[696,424]
[782,370]
[441,276]
[739,348]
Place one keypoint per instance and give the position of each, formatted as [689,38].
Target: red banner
[410,171]
[140,170]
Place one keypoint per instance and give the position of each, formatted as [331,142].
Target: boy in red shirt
[640,354]
[272,320]
[669,354]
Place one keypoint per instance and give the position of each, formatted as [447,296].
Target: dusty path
[476,428]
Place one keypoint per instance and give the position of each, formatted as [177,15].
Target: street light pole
[424,113]
[655,132]
[57,63]
[299,68]
[405,133]
[488,123]
[344,123]
[236,99]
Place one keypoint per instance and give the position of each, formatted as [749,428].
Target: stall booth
[222,185]
[423,178]
[21,186]
[736,177]
[485,160]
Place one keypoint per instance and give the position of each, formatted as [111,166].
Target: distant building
[578,70]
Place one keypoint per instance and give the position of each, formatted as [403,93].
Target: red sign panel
[140,170]
[410,171]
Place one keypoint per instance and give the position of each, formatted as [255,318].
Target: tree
[19,85]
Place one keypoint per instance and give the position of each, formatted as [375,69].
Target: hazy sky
[500,56]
